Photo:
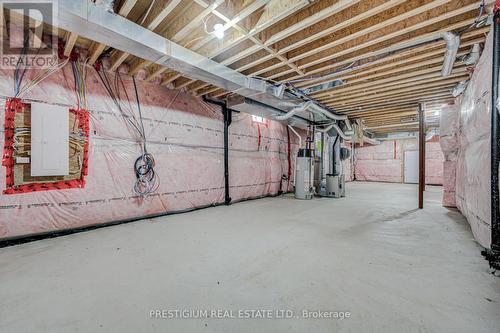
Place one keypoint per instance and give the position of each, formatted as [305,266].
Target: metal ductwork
[248,105]
[97,23]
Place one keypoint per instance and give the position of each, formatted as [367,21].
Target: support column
[421,157]
[227,122]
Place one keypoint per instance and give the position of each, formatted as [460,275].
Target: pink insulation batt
[185,135]
[385,162]
[448,133]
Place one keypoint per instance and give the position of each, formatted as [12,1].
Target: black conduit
[227,114]
[494,256]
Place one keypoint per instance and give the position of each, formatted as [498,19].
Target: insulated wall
[448,134]
[473,162]
[184,134]
[386,162]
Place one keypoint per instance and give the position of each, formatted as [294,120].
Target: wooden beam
[401,87]
[376,50]
[195,22]
[397,101]
[311,49]
[38,32]
[372,38]
[127,7]
[162,15]
[416,77]
[70,43]
[389,92]
[381,74]
[99,48]
[274,11]
[414,54]
[390,96]
[117,59]
[95,51]
[171,77]
[229,23]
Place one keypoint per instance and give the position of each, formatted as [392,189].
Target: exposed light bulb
[219,31]
[436,113]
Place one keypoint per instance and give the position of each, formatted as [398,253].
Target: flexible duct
[473,56]
[371,141]
[346,137]
[341,133]
[302,107]
[348,124]
[452,44]
[337,128]
[328,114]
[312,107]
[325,130]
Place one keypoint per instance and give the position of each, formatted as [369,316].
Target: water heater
[304,173]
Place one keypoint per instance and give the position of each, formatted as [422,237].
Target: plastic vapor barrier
[448,133]
[185,136]
[386,162]
[473,161]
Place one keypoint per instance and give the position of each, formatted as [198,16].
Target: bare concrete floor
[395,269]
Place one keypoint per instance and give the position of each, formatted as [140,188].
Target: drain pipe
[494,257]
[227,114]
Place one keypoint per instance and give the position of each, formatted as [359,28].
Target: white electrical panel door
[411,167]
[49,140]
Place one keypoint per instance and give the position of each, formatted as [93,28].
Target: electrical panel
[49,140]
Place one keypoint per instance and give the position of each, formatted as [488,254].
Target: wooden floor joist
[387,53]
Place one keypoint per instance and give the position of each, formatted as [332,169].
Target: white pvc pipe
[297,134]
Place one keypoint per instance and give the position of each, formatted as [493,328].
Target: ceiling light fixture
[219,31]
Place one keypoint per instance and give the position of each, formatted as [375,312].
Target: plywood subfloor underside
[394,268]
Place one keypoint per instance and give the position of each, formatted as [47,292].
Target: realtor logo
[29,34]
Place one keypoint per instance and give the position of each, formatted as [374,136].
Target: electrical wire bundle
[77,141]
[19,72]
[80,74]
[478,22]
[21,90]
[20,133]
[147,181]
